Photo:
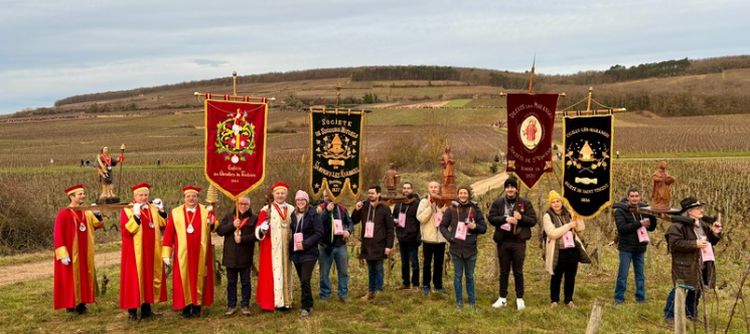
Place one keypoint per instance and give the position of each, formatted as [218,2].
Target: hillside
[668,88]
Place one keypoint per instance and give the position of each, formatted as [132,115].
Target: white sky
[53,49]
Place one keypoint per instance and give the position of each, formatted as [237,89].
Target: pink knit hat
[302,195]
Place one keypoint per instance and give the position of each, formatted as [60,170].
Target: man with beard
[430,215]
[513,217]
[407,231]
[377,237]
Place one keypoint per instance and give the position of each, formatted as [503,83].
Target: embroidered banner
[235,145]
[335,144]
[587,163]
[531,119]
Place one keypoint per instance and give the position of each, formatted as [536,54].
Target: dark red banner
[235,145]
[531,119]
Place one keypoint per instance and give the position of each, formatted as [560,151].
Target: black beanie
[511,181]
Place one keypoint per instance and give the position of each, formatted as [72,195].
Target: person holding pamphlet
[407,232]
[430,215]
[633,240]
[461,225]
[377,237]
[337,227]
[691,239]
[513,217]
[561,255]
[307,229]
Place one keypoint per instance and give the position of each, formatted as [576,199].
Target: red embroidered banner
[235,145]
[531,120]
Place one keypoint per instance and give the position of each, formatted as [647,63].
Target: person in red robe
[74,277]
[187,245]
[273,230]
[142,280]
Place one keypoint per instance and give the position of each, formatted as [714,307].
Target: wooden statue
[661,194]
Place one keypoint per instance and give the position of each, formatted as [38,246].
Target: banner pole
[234,83]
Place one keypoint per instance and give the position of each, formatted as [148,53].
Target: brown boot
[369,296]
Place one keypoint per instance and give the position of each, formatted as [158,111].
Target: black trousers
[434,256]
[567,266]
[244,275]
[304,272]
[409,258]
[511,255]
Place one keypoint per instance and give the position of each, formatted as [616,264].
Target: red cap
[140,187]
[279,185]
[189,189]
[74,189]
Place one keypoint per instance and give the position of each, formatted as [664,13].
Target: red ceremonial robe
[274,288]
[193,263]
[74,238]
[141,267]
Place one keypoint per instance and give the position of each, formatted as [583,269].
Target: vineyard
[40,159]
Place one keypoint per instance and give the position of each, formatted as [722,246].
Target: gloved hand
[137,210]
[159,204]
[65,261]
[95,212]
[264,227]
[167,261]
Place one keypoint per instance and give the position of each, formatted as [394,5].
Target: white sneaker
[501,302]
[520,304]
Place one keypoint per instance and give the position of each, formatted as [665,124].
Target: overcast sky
[53,49]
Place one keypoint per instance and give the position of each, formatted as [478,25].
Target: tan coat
[426,216]
[553,234]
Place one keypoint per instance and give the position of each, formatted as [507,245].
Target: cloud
[210,62]
[55,49]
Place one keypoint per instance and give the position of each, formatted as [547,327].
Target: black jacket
[522,232]
[627,224]
[238,255]
[312,230]
[464,212]
[339,212]
[410,232]
[374,248]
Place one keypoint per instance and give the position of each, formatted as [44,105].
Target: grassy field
[413,138]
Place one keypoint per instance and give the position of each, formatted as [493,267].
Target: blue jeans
[409,258]
[622,276]
[691,304]
[341,256]
[375,275]
[462,266]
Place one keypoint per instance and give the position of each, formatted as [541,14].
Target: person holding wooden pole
[238,231]
[690,239]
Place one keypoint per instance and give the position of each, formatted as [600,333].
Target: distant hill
[668,88]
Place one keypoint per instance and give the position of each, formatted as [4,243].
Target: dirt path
[39,269]
[481,187]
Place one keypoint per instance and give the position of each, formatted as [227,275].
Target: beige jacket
[426,216]
[553,234]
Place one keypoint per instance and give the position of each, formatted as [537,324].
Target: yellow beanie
[553,195]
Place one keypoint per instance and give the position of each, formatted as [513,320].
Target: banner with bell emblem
[335,144]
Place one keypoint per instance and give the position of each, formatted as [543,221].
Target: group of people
[300,235]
